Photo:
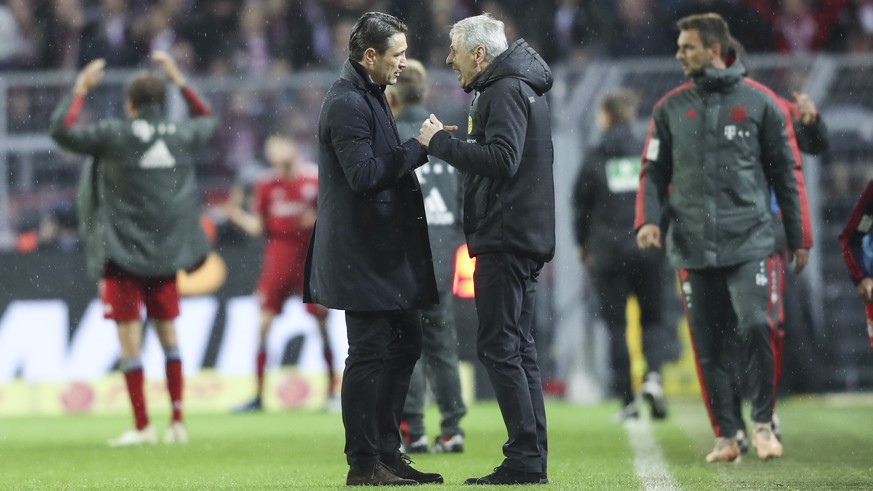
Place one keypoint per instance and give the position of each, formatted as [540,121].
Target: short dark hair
[620,105]
[712,28]
[374,30]
[145,88]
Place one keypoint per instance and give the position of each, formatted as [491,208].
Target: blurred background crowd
[263,65]
[258,38]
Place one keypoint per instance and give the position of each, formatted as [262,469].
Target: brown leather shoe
[402,468]
[376,475]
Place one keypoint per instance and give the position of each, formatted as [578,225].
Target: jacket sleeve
[203,122]
[812,138]
[88,140]
[583,200]
[783,168]
[350,121]
[656,173]
[859,224]
[505,112]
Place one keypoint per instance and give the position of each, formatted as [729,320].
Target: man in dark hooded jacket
[603,212]
[509,222]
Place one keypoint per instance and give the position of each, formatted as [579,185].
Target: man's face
[692,54]
[387,66]
[464,62]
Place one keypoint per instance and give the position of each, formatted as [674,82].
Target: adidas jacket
[138,200]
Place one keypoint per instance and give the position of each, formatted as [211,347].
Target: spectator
[109,36]
[640,24]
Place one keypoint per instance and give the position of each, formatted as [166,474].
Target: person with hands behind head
[369,254]
[139,219]
[717,145]
[509,223]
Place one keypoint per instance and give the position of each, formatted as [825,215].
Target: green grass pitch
[828,446]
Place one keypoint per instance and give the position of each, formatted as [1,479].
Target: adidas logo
[436,210]
[157,156]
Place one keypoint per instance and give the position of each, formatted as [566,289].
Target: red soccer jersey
[284,204]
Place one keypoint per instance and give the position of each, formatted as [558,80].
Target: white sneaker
[334,404]
[145,436]
[176,434]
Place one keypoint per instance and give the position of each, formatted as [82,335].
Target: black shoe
[503,475]
[375,475]
[252,406]
[401,468]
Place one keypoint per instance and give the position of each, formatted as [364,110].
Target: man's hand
[806,108]
[649,236]
[800,257]
[90,76]
[865,290]
[430,127]
[169,66]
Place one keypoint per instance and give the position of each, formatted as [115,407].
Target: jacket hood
[518,61]
[720,79]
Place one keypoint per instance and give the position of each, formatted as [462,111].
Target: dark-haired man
[369,254]
[716,147]
[139,219]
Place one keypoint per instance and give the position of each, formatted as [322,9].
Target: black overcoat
[369,249]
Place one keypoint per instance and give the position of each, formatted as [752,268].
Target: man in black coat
[509,223]
[369,253]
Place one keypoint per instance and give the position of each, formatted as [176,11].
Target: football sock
[260,363]
[133,377]
[175,381]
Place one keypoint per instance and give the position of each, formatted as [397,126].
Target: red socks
[134,380]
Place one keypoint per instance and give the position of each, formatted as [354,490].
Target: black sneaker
[376,475]
[252,406]
[504,475]
[401,468]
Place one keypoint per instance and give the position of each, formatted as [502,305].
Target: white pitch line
[649,461]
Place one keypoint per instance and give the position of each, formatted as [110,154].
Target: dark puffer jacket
[509,189]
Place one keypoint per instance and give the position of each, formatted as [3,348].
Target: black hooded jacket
[604,196]
[509,190]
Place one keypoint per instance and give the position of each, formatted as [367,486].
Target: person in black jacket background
[509,223]
[369,254]
[603,209]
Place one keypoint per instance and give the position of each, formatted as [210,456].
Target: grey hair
[481,30]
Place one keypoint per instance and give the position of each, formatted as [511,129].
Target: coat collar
[355,73]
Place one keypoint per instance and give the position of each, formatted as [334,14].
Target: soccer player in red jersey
[283,211]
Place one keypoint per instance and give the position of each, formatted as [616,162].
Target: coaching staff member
[509,222]
[369,254]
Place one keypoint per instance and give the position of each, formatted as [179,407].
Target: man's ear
[369,56]
[480,53]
